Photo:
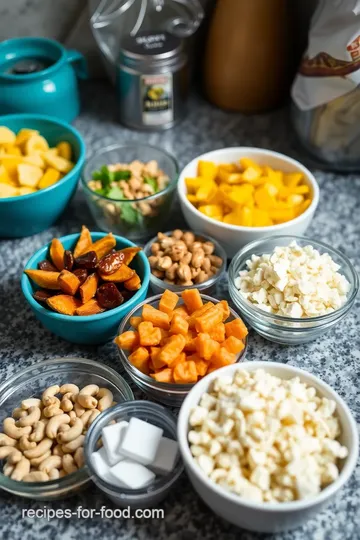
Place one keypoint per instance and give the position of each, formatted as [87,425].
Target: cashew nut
[6,451]
[66,404]
[51,391]
[79,457]
[5,440]
[69,464]
[65,388]
[52,462]
[38,431]
[72,414]
[25,444]
[8,469]
[63,427]
[71,446]
[13,431]
[79,410]
[54,474]
[93,415]
[85,417]
[57,450]
[90,390]
[54,423]
[33,416]
[14,457]
[30,402]
[22,468]
[51,400]
[106,397]
[35,462]
[87,401]
[35,476]
[18,413]
[52,410]
[73,433]
[62,473]
[40,449]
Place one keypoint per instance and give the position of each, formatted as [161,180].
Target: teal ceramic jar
[39,76]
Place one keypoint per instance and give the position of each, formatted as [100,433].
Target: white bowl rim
[283,507]
[253,151]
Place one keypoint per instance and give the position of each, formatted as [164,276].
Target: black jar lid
[156,46]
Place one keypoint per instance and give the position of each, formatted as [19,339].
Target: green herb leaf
[129,214]
[122,175]
[104,175]
[115,193]
[152,182]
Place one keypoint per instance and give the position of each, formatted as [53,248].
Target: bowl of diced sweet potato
[81,286]
[170,341]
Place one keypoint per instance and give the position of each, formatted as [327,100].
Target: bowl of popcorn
[290,289]
[238,195]
[130,188]
[181,260]
[266,445]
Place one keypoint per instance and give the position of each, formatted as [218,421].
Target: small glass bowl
[158,286]
[289,330]
[108,212]
[170,394]
[31,382]
[148,412]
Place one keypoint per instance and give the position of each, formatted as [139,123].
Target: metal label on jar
[157,99]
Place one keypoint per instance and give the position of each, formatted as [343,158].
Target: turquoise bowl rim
[78,165]
[31,263]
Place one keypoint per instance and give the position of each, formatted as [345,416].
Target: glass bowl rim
[244,253]
[135,373]
[81,476]
[110,414]
[201,286]
[170,187]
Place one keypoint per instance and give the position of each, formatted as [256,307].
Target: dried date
[41,295]
[47,266]
[68,260]
[81,274]
[111,262]
[88,261]
[109,296]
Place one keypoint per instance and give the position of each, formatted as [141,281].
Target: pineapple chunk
[50,177]
[6,135]
[59,163]
[29,175]
[36,144]
[24,135]
[26,190]
[8,191]
[64,149]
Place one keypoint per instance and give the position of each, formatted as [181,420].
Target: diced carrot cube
[192,299]
[154,356]
[218,333]
[179,325]
[209,319]
[164,375]
[205,346]
[168,302]
[149,335]
[201,367]
[128,340]
[185,372]
[236,328]
[223,358]
[225,308]
[140,359]
[164,336]
[181,310]
[178,360]
[173,347]
[157,317]
[199,312]
[233,345]
[190,342]
[135,321]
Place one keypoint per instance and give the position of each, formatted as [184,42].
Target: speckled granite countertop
[336,357]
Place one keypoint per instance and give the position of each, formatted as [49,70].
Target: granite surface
[335,357]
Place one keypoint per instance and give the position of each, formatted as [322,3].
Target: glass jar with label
[152,81]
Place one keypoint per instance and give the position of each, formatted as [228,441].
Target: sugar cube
[112,436]
[131,474]
[165,456]
[141,441]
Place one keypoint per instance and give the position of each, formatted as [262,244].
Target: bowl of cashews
[45,412]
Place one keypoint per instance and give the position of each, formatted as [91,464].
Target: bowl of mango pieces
[40,164]
[238,195]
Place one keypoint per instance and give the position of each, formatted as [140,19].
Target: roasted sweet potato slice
[68,282]
[171,350]
[135,321]
[192,300]
[158,318]
[164,375]
[236,328]
[64,303]
[123,274]
[45,280]
[129,254]
[102,247]
[127,340]
[84,243]
[57,253]
[92,307]
[209,319]
[185,372]
[168,302]
[88,288]
[140,359]
[134,283]
[149,335]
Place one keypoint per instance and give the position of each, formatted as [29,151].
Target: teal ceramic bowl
[93,329]
[30,214]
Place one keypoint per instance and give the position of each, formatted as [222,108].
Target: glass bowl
[31,382]
[148,412]
[158,286]
[170,394]
[120,216]
[278,328]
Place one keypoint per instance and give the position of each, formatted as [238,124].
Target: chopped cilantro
[152,182]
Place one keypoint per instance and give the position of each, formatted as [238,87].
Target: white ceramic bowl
[234,237]
[266,517]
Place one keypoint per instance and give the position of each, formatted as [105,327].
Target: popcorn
[293,281]
[264,438]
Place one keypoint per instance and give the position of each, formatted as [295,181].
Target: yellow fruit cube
[207,169]
[50,177]
[5,177]
[232,218]
[36,144]
[239,195]
[281,215]
[26,190]
[251,173]
[301,190]
[295,199]
[261,218]
[24,135]
[206,192]
[246,216]
[8,191]
[7,136]
[249,163]
[29,175]
[193,184]
[211,210]
[64,149]
[11,163]
[302,207]
[275,178]
[60,164]
[11,149]
[293,179]
[35,160]
[192,198]
[227,177]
